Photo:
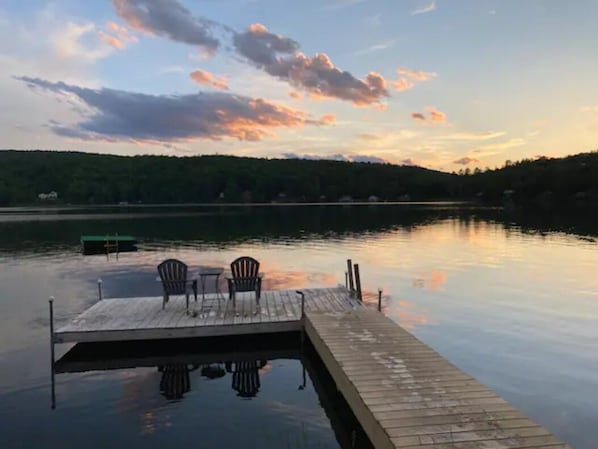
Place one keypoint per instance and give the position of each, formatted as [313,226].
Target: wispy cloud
[488,135]
[117,36]
[425,9]
[204,78]
[409,78]
[376,47]
[466,161]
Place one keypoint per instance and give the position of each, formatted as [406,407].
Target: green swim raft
[104,244]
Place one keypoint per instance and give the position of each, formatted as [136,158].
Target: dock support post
[358,282]
[52,358]
[300,293]
[379,300]
[350,271]
[99,289]
[346,280]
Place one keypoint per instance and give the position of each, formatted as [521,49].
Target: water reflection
[186,367]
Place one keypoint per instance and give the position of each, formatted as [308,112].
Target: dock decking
[121,319]
[404,394]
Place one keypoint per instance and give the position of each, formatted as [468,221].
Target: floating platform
[404,394]
[103,244]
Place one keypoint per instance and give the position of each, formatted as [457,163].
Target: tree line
[84,178]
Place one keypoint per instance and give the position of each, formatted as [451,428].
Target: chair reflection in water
[246,376]
[175,380]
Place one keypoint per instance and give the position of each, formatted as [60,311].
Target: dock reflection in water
[190,371]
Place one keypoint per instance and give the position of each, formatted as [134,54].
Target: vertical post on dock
[379,300]
[346,280]
[99,289]
[350,271]
[53,388]
[358,282]
[300,293]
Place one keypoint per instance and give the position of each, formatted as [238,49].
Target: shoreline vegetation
[58,179]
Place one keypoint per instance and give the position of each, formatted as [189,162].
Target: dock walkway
[405,395]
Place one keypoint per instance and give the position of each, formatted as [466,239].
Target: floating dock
[103,244]
[404,394]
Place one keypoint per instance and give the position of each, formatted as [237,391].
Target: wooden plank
[404,394]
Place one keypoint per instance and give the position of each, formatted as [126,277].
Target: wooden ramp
[123,319]
[405,395]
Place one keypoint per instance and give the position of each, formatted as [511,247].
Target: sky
[443,84]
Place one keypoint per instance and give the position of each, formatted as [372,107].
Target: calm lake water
[512,300]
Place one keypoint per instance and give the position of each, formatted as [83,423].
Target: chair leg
[164,301]
[187,301]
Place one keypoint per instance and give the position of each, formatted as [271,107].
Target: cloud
[500,146]
[279,56]
[168,18]
[488,135]
[204,78]
[402,84]
[425,9]
[296,95]
[589,109]
[76,41]
[435,116]
[416,74]
[466,161]
[375,47]
[117,36]
[336,157]
[409,78]
[328,119]
[409,162]
[116,115]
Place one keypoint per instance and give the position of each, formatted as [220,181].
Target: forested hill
[82,178]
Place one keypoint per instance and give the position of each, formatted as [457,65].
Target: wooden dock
[122,319]
[404,394]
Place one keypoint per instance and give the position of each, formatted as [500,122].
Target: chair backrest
[245,272]
[173,274]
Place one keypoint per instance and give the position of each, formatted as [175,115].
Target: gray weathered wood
[405,395]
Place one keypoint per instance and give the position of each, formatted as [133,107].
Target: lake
[510,298]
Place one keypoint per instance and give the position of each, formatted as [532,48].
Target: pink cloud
[435,116]
[416,74]
[204,78]
[409,78]
[116,36]
[296,95]
[280,57]
[402,84]
[466,161]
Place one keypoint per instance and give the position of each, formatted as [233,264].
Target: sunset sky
[444,84]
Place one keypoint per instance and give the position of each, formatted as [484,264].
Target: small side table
[205,273]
